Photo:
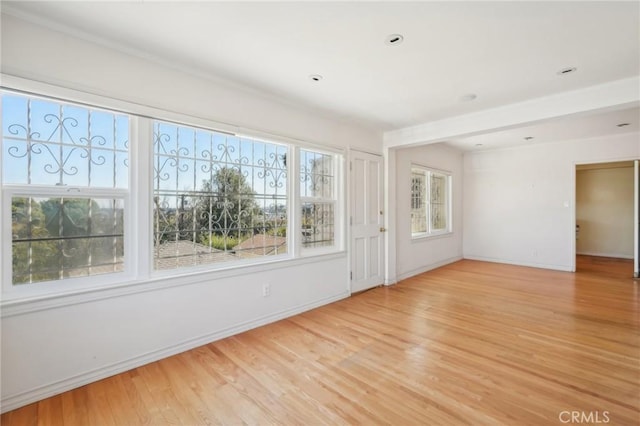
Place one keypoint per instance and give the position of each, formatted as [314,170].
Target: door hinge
[351,275]
[350,220]
[350,165]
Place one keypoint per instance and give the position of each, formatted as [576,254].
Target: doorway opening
[606,218]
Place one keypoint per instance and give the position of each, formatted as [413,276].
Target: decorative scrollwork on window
[218,197]
[317,190]
[316,174]
[430,193]
[45,144]
[83,147]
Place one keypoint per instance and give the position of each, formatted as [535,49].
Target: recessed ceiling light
[528,138]
[315,77]
[394,39]
[468,97]
[623,124]
[568,70]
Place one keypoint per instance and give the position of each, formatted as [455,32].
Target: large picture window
[430,202]
[195,200]
[217,197]
[65,177]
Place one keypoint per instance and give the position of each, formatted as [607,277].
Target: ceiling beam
[619,94]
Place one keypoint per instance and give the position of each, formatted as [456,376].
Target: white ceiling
[505,52]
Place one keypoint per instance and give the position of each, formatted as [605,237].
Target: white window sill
[417,238]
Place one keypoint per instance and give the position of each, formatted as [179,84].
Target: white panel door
[366,219]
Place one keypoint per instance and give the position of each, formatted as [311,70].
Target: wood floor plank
[50,410]
[468,343]
[27,416]
[98,409]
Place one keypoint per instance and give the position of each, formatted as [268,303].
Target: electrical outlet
[266,290]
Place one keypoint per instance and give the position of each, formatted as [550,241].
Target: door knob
[383,229]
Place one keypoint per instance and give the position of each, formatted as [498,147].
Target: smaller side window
[318,199]
[438,219]
[418,202]
[430,202]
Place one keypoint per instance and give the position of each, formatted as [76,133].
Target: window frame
[336,199]
[138,201]
[215,266]
[428,172]
[10,190]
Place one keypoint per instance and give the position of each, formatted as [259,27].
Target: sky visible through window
[186,158]
[216,196]
[52,143]
[54,129]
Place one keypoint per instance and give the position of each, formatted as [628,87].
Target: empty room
[319,213]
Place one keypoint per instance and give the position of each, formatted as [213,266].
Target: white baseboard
[564,268]
[422,269]
[614,255]
[11,402]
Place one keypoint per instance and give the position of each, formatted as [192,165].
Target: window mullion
[339,202]
[427,200]
[141,197]
[5,251]
[295,212]
[66,191]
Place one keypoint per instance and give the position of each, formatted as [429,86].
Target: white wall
[423,254]
[519,203]
[604,211]
[51,349]
[40,54]
[52,345]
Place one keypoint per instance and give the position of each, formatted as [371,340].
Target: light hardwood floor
[469,343]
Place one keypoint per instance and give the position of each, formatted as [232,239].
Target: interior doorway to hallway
[604,266]
[607,217]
